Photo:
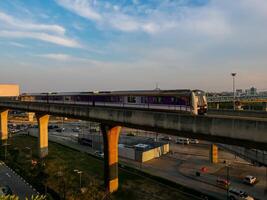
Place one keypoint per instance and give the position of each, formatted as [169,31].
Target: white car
[166,138]
[182,141]
[250,180]
[99,154]
[194,141]
[236,194]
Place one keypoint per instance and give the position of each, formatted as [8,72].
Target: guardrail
[231,98]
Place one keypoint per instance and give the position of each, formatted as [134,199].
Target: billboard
[9,90]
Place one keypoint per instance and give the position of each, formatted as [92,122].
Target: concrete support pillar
[213,153]
[217,106]
[111,138]
[43,120]
[264,106]
[31,116]
[3,126]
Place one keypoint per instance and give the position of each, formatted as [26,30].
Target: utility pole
[228,181]
[233,75]
[80,175]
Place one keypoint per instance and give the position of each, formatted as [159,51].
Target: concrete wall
[245,132]
[240,113]
[9,90]
[143,156]
[128,153]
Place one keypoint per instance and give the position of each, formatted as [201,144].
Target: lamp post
[30,150]
[80,173]
[233,75]
[5,146]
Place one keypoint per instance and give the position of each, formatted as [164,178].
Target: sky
[85,45]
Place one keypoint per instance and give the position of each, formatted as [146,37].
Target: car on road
[166,138]
[60,130]
[223,182]
[182,141]
[76,130]
[99,154]
[251,180]
[236,194]
[5,190]
[131,134]
[193,141]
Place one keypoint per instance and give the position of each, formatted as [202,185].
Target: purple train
[190,101]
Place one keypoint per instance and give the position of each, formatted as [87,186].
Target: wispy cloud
[15,28]
[162,16]
[82,8]
[58,57]
[10,22]
[59,40]
[16,44]
[66,58]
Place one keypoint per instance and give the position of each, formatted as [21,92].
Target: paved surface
[18,185]
[181,165]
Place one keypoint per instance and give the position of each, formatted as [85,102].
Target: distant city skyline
[85,45]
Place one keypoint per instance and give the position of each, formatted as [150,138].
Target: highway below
[18,185]
[182,163]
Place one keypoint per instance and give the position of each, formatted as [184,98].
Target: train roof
[120,93]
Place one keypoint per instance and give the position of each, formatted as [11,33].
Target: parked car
[99,154]
[60,130]
[131,134]
[236,194]
[223,182]
[5,190]
[76,130]
[182,140]
[251,180]
[194,141]
[166,138]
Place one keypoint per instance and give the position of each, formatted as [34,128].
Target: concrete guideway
[251,133]
[238,113]
[228,130]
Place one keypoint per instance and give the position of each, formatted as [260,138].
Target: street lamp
[233,75]
[228,179]
[5,145]
[80,173]
[30,150]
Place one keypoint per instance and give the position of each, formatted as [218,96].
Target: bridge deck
[247,132]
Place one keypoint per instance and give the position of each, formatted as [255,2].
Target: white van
[182,140]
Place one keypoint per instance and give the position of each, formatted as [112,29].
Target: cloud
[16,44]
[162,16]
[81,7]
[58,57]
[10,22]
[59,40]
[68,58]
[16,28]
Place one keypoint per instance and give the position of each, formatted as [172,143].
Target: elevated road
[246,132]
[244,99]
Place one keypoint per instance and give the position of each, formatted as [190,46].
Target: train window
[67,98]
[131,99]
[144,99]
